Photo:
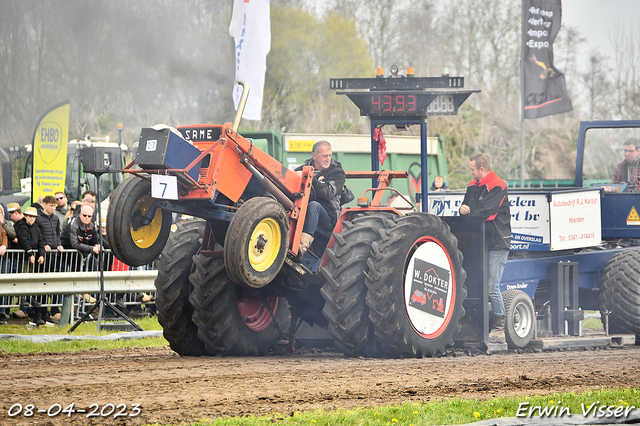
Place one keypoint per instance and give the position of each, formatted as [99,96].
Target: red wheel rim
[254,314]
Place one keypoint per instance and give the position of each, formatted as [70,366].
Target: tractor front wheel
[133,238]
[256,242]
[415,286]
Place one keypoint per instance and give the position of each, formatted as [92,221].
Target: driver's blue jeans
[316,216]
[497,261]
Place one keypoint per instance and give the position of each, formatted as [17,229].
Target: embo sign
[50,152]
[50,142]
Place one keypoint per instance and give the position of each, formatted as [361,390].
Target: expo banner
[544,87]
[50,152]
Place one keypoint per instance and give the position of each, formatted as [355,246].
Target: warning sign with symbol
[633,218]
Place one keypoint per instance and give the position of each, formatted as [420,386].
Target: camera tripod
[102,302]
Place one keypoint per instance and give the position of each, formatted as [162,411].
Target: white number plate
[165,187]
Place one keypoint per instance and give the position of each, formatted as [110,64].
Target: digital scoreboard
[404,96]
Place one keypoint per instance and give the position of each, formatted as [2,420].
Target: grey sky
[597,21]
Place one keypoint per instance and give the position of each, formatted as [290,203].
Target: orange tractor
[229,282]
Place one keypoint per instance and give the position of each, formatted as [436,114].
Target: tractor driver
[324,201]
[627,170]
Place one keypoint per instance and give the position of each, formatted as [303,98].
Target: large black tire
[256,242]
[130,241]
[217,303]
[415,286]
[620,292]
[520,320]
[345,290]
[173,288]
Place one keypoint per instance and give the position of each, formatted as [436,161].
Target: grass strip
[604,403]
[84,329]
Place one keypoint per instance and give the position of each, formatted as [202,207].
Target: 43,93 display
[393,103]
[400,104]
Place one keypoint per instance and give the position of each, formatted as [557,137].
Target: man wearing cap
[29,238]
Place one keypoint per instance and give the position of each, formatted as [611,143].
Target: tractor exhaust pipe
[241,104]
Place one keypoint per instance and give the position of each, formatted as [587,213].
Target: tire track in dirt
[173,389]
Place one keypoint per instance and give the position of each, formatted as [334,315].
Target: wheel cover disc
[429,288]
[253,312]
[145,236]
[264,244]
[522,320]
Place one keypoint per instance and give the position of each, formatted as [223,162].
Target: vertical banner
[251,30]
[544,88]
[50,152]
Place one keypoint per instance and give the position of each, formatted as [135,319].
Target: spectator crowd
[45,232]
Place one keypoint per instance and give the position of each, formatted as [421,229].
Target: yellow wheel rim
[145,236]
[264,245]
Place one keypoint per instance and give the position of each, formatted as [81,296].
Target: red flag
[382,144]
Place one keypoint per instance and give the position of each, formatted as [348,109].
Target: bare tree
[626,74]
[598,86]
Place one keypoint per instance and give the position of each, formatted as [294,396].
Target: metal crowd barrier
[69,273]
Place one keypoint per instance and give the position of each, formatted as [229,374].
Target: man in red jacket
[487,198]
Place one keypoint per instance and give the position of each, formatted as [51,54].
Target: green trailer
[354,152]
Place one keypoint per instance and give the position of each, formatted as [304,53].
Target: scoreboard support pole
[424,172]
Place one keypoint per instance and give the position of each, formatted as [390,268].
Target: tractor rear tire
[345,291]
[256,242]
[519,325]
[620,292]
[130,241]
[173,288]
[415,286]
[232,320]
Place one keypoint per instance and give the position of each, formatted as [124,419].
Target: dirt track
[171,389]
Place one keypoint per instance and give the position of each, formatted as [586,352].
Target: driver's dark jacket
[327,187]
